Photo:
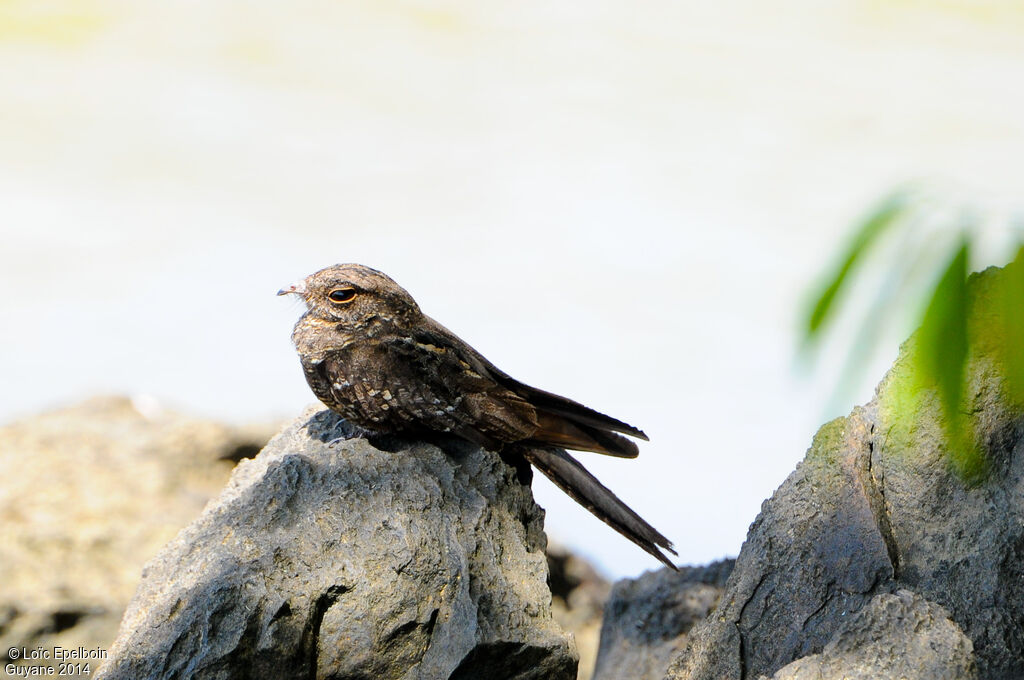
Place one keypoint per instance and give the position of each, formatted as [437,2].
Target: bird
[373,357]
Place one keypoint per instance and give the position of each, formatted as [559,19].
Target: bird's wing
[415,383]
[561,422]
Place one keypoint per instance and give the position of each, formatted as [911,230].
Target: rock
[646,619]
[812,555]
[578,594]
[90,493]
[875,508]
[349,561]
[895,636]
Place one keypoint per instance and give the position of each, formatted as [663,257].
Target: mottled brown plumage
[372,356]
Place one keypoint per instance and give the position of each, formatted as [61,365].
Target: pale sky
[623,204]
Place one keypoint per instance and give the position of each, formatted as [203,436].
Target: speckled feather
[374,358]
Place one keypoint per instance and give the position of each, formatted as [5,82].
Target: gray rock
[873,508]
[646,619]
[351,562]
[578,594]
[895,636]
[90,492]
[813,555]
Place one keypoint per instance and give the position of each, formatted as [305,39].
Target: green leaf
[941,358]
[1011,326]
[942,347]
[866,234]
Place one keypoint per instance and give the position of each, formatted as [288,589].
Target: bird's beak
[297,288]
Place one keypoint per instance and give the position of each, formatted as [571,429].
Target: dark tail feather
[583,487]
[564,433]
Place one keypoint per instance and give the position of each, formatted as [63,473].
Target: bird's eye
[342,295]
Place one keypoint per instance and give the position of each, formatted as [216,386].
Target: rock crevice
[327,557]
[875,527]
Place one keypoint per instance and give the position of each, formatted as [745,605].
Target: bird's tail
[583,487]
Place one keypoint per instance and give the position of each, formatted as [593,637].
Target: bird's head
[353,295]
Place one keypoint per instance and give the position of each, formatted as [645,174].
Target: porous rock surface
[901,635]
[578,594]
[344,560]
[646,619]
[873,510]
[90,492]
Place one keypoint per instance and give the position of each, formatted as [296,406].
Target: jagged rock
[90,493]
[894,636]
[349,561]
[646,619]
[578,594]
[873,508]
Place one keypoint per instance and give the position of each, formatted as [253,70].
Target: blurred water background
[623,203]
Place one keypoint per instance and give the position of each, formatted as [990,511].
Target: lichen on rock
[879,506]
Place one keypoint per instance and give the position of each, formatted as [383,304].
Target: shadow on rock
[344,560]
